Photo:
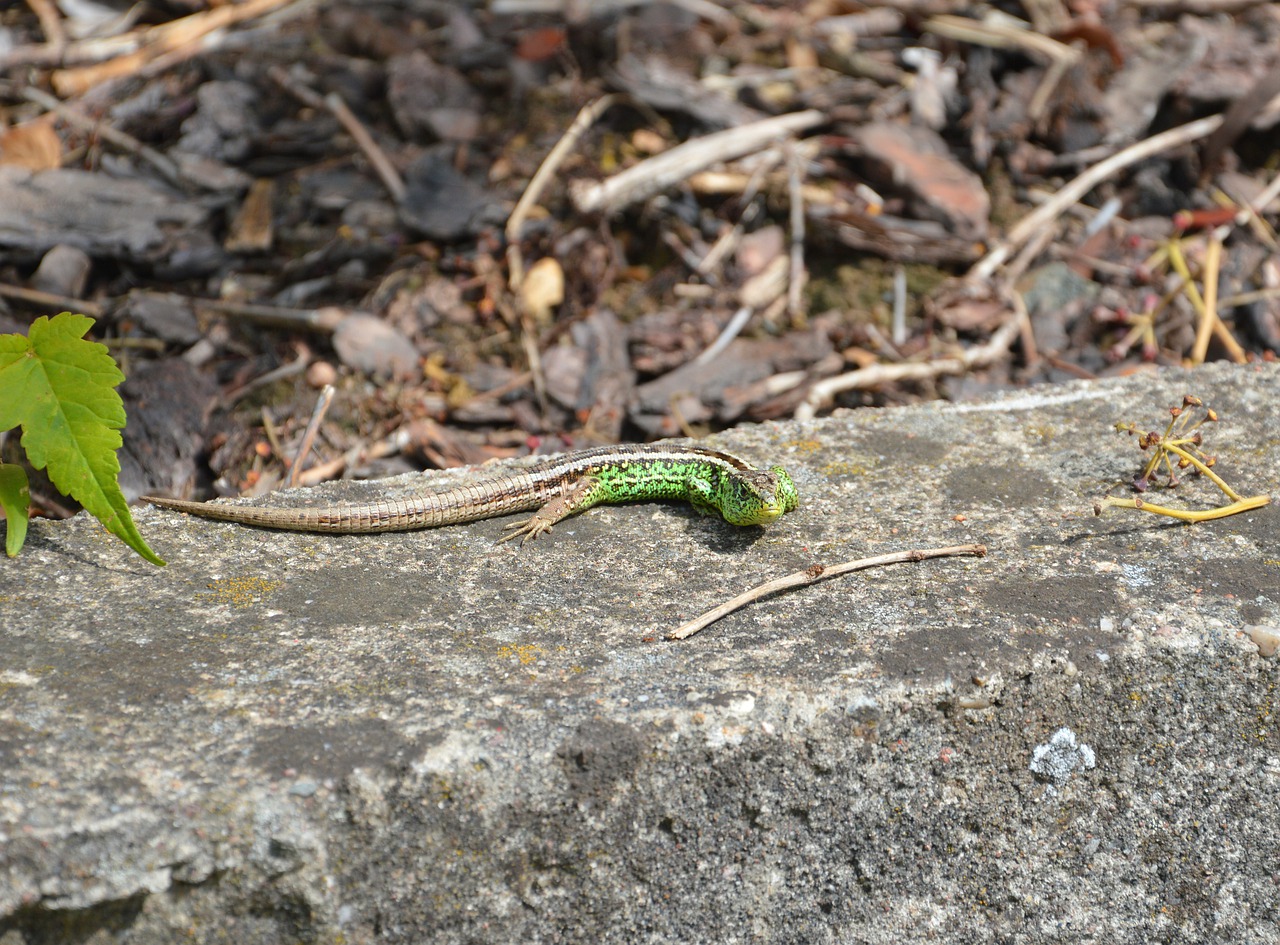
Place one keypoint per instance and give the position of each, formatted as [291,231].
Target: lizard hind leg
[574,498]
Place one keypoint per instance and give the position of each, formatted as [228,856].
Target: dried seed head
[1211,415]
[1189,400]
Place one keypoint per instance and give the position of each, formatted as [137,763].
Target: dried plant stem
[823,392]
[386,171]
[799,273]
[323,402]
[185,35]
[818,573]
[1205,470]
[1209,321]
[334,104]
[1073,191]
[664,170]
[589,115]
[74,116]
[1186,515]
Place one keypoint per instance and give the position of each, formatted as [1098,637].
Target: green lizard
[710,480]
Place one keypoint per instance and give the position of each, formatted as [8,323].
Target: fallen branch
[817,573]
[589,115]
[823,393]
[1074,190]
[664,170]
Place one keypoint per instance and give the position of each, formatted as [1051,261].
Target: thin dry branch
[143,46]
[334,104]
[814,574]
[171,171]
[323,403]
[799,273]
[823,393]
[589,115]
[1046,213]
[665,170]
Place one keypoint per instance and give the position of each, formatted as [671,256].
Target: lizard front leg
[572,499]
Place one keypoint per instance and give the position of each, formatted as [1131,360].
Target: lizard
[710,480]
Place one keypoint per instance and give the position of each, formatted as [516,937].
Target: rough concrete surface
[428,737]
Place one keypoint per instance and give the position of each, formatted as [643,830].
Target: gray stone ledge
[425,737]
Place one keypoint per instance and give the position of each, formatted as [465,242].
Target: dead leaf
[33,144]
[543,288]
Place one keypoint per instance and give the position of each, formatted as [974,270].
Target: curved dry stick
[818,573]
[823,392]
[1074,190]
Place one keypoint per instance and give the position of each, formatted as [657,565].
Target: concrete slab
[427,737]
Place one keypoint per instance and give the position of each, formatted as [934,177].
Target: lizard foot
[530,528]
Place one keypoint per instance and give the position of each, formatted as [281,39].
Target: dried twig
[796,282]
[334,104]
[1181,439]
[1209,315]
[50,22]
[997,35]
[294,367]
[664,170]
[323,402]
[168,168]
[823,393]
[1210,323]
[48,300]
[726,336]
[818,573]
[1046,213]
[147,45]
[589,115]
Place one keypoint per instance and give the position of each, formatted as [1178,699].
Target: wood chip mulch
[538,224]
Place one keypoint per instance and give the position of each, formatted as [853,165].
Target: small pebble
[321,373]
[1266,639]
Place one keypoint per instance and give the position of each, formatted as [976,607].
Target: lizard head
[760,496]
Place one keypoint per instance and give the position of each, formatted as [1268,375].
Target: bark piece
[443,204]
[168,403]
[701,393]
[431,102]
[164,315]
[106,217]
[225,125]
[366,343]
[917,161]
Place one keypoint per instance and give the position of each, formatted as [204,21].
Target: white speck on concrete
[1136,576]
[1062,757]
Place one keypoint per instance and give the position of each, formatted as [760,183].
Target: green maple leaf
[60,389]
